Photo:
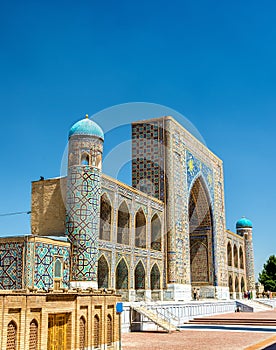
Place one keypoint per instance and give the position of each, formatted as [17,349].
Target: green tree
[268,275]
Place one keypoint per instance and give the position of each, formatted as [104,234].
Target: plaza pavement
[207,339]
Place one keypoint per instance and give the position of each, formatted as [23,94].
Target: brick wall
[48,209]
[67,308]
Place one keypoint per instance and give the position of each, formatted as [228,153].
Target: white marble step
[257,306]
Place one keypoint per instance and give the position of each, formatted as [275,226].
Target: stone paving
[207,340]
[270,314]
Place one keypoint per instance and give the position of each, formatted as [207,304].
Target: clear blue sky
[213,61]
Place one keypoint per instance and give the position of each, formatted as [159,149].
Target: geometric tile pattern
[148,158]
[11,265]
[38,264]
[44,264]
[195,168]
[82,220]
[29,264]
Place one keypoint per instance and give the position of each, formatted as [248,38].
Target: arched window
[97,332]
[103,273]
[139,276]
[58,268]
[140,229]
[11,336]
[123,224]
[242,285]
[229,254]
[84,159]
[99,160]
[236,262]
[105,218]
[122,275]
[155,233]
[155,277]
[82,335]
[236,284]
[33,340]
[241,259]
[109,329]
[230,284]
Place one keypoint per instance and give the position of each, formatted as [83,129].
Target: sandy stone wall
[21,309]
[48,209]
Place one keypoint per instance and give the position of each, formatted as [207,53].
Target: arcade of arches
[234,257]
[122,276]
[236,268]
[236,284]
[124,226]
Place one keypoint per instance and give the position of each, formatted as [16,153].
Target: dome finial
[86,116]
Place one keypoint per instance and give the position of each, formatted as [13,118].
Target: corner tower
[83,200]
[244,229]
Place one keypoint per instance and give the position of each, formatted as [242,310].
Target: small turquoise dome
[244,223]
[86,127]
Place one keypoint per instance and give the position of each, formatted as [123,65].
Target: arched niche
[156,233]
[103,273]
[236,261]
[123,223]
[201,234]
[140,229]
[154,277]
[122,275]
[105,218]
[241,258]
[229,254]
[139,276]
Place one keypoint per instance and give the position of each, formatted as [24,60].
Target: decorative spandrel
[196,167]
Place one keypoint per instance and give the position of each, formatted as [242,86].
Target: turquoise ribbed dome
[244,223]
[86,127]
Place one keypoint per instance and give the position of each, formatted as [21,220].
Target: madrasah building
[155,240]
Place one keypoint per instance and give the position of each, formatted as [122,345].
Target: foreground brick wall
[22,308]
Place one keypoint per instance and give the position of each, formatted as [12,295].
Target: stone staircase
[253,313]
[271,302]
[255,305]
[156,318]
